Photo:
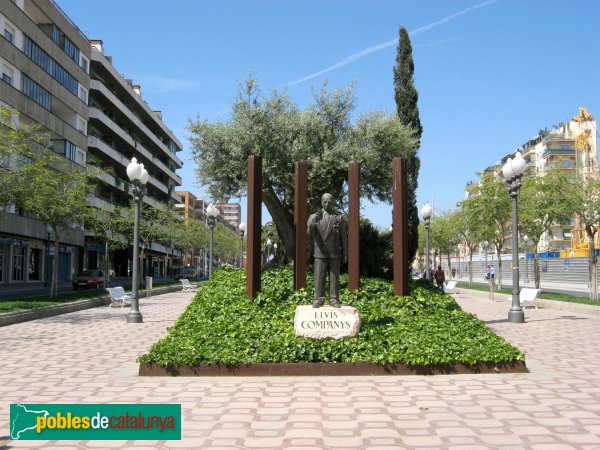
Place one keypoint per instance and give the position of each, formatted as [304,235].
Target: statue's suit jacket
[329,239]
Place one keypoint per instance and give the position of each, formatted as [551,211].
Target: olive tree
[324,135]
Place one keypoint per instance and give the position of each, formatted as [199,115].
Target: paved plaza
[89,357]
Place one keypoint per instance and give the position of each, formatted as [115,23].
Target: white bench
[187,287]
[527,297]
[451,287]
[118,296]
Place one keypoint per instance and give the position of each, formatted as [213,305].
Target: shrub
[424,328]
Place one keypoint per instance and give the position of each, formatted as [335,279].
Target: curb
[325,369]
[49,311]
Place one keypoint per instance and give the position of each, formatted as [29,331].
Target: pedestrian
[487,272]
[453,273]
[493,272]
[440,277]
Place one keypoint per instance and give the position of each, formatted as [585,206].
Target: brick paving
[89,357]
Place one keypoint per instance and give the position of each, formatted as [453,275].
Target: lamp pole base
[516,316]
[135,317]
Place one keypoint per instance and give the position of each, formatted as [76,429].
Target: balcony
[553,152]
[112,98]
[99,57]
[96,113]
[559,137]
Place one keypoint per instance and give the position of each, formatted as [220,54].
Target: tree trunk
[471,267]
[54,283]
[106,268]
[284,222]
[593,264]
[499,277]
[536,266]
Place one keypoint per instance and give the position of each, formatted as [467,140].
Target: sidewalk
[89,357]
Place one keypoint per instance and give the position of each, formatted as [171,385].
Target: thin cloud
[359,55]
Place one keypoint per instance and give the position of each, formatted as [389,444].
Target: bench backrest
[529,294]
[185,282]
[451,284]
[117,291]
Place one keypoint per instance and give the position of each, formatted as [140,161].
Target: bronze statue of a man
[328,243]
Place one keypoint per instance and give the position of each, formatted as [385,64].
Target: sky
[490,74]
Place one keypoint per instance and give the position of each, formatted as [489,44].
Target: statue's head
[328,203]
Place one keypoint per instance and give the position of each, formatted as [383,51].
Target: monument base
[326,322]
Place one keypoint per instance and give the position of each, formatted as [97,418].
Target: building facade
[44,60]
[231,212]
[54,76]
[122,126]
[573,146]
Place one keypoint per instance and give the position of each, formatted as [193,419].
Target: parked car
[184,272]
[89,279]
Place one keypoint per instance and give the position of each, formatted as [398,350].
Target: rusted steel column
[300,223]
[353,226]
[254,226]
[400,227]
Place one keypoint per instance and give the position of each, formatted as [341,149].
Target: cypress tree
[406,96]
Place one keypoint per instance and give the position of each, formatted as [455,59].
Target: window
[7,74]
[36,93]
[35,264]
[70,151]
[42,59]
[71,49]
[81,124]
[84,63]
[83,94]
[18,263]
[9,35]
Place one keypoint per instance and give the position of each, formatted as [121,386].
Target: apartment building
[193,208]
[558,145]
[231,212]
[54,76]
[44,61]
[121,126]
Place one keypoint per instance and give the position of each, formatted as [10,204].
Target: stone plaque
[326,322]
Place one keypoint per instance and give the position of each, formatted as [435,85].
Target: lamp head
[144,175]
[519,164]
[211,211]
[426,211]
[507,170]
[242,227]
[134,170]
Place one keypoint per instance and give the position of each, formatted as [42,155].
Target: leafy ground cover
[543,295]
[425,328]
[40,301]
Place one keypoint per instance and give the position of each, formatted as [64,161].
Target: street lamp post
[526,239]
[513,171]
[138,177]
[212,214]
[426,212]
[242,228]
